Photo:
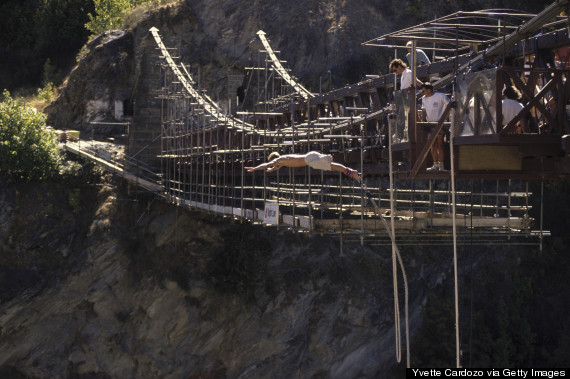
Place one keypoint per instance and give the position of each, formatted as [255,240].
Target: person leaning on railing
[312,159]
[399,67]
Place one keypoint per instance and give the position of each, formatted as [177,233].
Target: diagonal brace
[534,102]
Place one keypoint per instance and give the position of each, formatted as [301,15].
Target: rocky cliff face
[217,39]
[105,73]
[97,282]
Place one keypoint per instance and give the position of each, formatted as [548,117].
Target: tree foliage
[28,150]
[35,31]
[109,14]
[59,28]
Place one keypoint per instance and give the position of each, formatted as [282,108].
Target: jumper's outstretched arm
[268,165]
[353,174]
[277,163]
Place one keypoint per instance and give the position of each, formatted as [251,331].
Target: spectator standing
[433,105]
[399,67]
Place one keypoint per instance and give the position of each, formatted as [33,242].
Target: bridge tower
[144,136]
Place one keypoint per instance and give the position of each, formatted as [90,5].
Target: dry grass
[38,98]
[35,102]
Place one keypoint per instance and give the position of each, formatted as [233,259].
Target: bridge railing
[112,158]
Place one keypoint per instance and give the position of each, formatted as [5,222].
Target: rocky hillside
[99,280]
[95,281]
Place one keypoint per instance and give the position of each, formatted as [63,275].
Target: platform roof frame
[458,31]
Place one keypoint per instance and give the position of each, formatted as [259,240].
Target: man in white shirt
[433,105]
[511,107]
[399,67]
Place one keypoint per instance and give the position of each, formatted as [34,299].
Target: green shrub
[109,14]
[47,93]
[50,74]
[28,150]
[76,173]
[113,14]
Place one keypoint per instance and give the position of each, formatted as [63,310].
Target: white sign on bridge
[271,214]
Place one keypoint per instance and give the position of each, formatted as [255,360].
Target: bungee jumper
[313,159]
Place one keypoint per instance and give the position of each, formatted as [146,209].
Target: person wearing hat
[421,57]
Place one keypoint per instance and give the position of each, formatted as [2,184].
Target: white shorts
[318,161]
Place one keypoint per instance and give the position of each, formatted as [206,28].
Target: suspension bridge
[484,192]
[204,149]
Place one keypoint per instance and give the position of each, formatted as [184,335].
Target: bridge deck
[330,206]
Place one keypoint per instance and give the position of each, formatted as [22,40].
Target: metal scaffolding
[204,153]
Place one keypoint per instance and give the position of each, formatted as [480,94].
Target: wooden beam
[527,89]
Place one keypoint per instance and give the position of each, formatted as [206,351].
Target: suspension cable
[394,269]
[454,211]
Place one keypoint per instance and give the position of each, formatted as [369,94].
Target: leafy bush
[109,14]
[47,92]
[35,31]
[28,150]
[113,14]
[78,173]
